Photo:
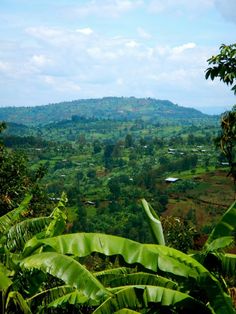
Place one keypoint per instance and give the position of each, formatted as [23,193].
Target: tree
[114,187]
[178,233]
[227,139]
[97,147]
[224,66]
[14,179]
[129,142]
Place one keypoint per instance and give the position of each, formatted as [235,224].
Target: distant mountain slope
[117,108]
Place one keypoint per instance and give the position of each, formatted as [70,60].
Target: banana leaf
[68,270]
[151,256]
[228,264]
[9,219]
[58,223]
[142,297]
[51,294]
[225,227]
[5,282]
[23,231]
[154,222]
[219,243]
[75,297]
[140,278]
[18,300]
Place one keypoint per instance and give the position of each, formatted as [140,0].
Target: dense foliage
[109,108]
[42,269]
[224,67]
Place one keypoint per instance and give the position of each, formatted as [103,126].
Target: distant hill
[117,108]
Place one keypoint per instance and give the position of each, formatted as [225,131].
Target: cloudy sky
[57,50]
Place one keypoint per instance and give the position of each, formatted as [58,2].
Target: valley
[106,165]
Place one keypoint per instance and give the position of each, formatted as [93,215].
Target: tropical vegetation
[42,268]
[54,260]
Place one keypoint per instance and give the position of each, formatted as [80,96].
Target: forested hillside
[116,108]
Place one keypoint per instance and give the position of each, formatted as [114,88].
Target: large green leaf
[225,226]
[154,222]
[140,297]
[151,256]
[58,223]
[219,243]
[9,219]
[19,301]
[23,231]
[105,276]
[5,282]
[44,298]
[51,294]
[228,263]
[68,270]
[59,296]
[140,278]
[74,297]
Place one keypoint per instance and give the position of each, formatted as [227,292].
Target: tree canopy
[224,65]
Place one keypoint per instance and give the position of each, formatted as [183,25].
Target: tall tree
[13,177]
[224,67]
[16,180]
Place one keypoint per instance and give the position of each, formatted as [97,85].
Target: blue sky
[59,50]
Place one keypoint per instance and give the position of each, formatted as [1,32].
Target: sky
[63,50]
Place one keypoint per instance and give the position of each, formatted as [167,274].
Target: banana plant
[154,258]
[154,277]
[221,237]
[154,222]
[15,231]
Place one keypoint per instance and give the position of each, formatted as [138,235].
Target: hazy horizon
[210,111]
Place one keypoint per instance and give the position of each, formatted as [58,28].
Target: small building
[54,198]
[90,203]
[224,163]
[171,180]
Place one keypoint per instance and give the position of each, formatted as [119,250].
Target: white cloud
[85,31]
[93,59]
[182,48]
